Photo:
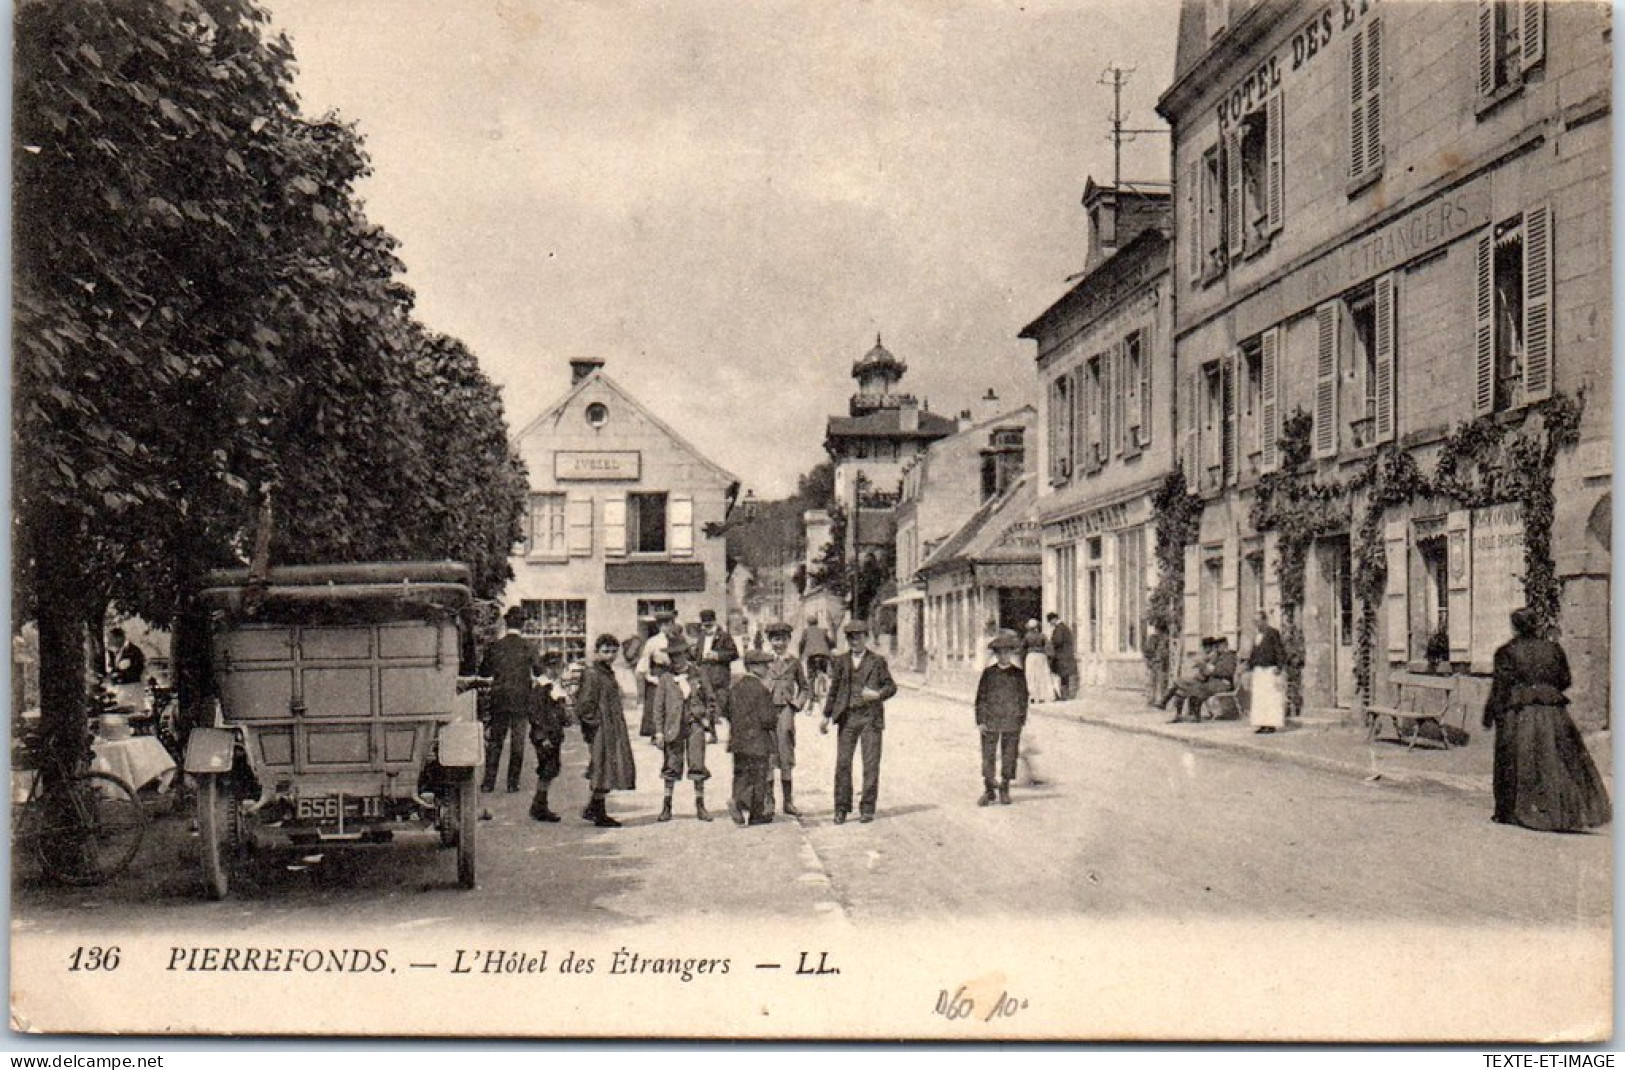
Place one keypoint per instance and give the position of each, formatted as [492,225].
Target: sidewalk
[1327,744]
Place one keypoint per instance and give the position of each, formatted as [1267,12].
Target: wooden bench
[1423,700]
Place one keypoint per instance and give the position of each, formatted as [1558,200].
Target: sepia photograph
[495,483]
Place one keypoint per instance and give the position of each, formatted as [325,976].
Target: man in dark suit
[860,685]
[1063,656]
[512,663]
[716,653]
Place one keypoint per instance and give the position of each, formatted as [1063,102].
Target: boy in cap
[786,681]
[1001,711]
[752,721]
[860,685]
[549,710]
[684,714]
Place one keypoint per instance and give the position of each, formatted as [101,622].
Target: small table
[138,761]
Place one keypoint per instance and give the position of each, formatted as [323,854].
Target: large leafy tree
[202,308]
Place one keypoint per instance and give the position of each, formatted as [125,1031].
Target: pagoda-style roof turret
[878,359]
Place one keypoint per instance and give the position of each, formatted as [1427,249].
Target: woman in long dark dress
[1544,778]
[603,724]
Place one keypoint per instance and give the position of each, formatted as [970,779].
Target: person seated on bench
[1214,672]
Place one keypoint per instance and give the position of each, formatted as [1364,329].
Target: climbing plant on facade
[1177,514]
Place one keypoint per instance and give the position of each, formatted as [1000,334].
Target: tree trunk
[59,584]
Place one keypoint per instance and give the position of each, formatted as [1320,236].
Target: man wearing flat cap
[716,654]
[652,664]
[1214,671]
[751,724]
[860,685]
[786,681]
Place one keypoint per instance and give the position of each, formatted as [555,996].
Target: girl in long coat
[603,725]
[1544,778]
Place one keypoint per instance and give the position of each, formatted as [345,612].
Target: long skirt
[1544,777]
[1040,684]
[1268,709]
[610,766]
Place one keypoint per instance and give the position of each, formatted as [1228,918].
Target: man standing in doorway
[1063,656]
[860,685]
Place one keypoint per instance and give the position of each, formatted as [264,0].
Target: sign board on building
[1497,578]
[654,577]
[594,466]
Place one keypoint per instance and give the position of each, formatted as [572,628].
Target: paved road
[1125,827]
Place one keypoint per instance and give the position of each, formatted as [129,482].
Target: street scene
[885,476]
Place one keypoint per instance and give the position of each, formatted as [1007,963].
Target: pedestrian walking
[1063,657]
[549,710]
[1001,713]
[787,682]
[610,766]
[511,663]
[1266,707]
[752,721]
[1040,687]
[814,648]
[652,663]
[684,719]
[1544,777]
[860,685]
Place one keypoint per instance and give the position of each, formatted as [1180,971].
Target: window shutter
[1191,638]
[1270,399]
[1484,325]
[1532,19]
[1078,417]
[615,525]
[1147,350]
[1328,329]
[1108,405]
[1486,47]
[1396,590]
[1108,593]
[1385,370]
[1191,422]
[1537,302]
[1233,212]
[1057,427]
[1193,215]
[680,516]
[1230,387]
[1357,162]
[1230,593]
[1459,568]
[580,525]
[1373,94]
[1275,117]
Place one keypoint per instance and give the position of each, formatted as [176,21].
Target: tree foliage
[202,307]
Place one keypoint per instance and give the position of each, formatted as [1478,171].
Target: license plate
[333,809]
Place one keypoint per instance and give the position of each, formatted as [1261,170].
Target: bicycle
[82,825]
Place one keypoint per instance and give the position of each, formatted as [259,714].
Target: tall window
[1130,588]
[1092,595]
[1060,429]
[646,523]
[1253,177]
[548,533]
[559,623]
[1136,379]
[1211,211]
[1513,340]
[1251,414]
[1511,42]
[1356,368]
[1066,583]
[1211,582]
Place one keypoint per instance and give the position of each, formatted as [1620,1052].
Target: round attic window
[597,414]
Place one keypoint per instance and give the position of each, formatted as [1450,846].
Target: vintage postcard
[497,482]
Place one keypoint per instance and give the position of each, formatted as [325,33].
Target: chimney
[987,406]
[581,367]
[908,415]
[965,421]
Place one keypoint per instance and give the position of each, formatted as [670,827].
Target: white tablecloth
[138,761]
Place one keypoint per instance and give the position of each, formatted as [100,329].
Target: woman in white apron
[1266,666]
[1040,684]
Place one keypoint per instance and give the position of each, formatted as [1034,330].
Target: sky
[727,200]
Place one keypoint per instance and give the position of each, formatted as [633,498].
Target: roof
[1149,246]
[876,356]
[992,534]
[887,423]
[556,410]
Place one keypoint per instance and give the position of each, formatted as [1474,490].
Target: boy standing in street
[1001,711]
[787,682]
[548,712]
[752,721]
[683,716]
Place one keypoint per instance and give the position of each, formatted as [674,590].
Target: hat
[1032,624]
[664,615]
[856,627]
[758,657]
[708,616]
[1005,640]
[778,628]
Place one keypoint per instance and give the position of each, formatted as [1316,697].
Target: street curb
[1407,780]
